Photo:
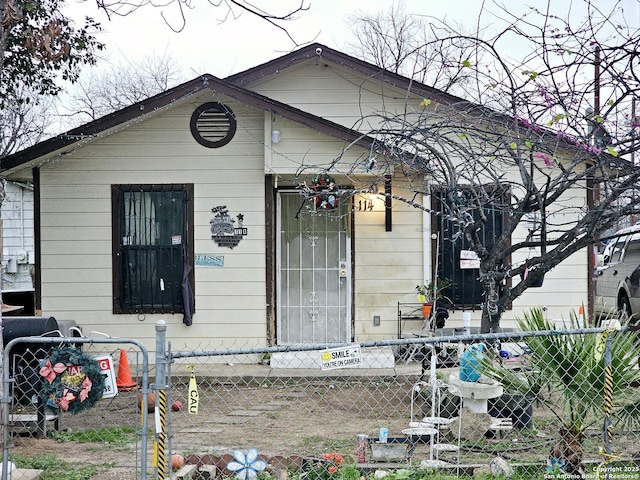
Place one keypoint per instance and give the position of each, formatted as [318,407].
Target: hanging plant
[72,380]
[324,186]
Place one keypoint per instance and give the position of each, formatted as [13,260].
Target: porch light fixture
[275,136]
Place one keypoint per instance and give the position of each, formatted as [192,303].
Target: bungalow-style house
[189,207]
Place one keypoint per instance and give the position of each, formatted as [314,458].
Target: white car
[617,275]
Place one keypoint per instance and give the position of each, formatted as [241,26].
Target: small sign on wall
[209,260]
[223,230]
[469,259]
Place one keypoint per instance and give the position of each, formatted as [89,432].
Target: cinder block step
[186,472]
[207,472]
[25,474]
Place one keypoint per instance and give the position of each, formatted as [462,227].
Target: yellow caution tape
[194,398]
[601,338]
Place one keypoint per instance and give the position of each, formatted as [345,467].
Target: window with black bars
[465,290]
[152,247]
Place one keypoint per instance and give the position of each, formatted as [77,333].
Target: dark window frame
[465,291]
[120,248]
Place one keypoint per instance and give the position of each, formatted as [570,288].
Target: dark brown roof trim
[164,99]
[275,66]
[304,54]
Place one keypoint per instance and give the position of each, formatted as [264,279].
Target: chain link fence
[547,401]
[112,417]
[542,400]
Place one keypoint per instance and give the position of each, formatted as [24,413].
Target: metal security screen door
[314,274]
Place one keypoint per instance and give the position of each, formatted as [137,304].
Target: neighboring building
[187,207]
[18,254]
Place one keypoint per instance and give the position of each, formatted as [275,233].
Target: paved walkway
[252,370]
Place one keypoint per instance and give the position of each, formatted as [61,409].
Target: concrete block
[26,474]
[186,472]
[207,472]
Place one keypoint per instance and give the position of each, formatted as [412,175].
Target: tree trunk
[489,323]
[568,451]
[491,308]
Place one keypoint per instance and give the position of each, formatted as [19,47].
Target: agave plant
[565,374]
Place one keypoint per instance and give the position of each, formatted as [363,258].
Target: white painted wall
[17,237]
[230,300]
[390,264]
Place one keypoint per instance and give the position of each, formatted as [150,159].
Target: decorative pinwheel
[246,466]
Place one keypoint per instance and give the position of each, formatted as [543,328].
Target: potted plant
[564,375]
[430,293]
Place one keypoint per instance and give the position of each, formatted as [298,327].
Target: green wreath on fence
[72,380]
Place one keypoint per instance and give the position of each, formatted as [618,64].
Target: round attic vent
[213,125]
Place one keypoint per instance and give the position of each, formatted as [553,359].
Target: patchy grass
[351,472]
[116,437]
[56,469]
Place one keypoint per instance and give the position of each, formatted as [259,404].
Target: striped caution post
[160,446]
[607,397]
[608,403]
[161,420]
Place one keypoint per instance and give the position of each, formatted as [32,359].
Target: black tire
[624,306]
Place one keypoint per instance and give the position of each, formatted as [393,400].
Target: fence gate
[49,386]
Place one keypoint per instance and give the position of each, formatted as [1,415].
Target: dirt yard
[285,418]
[305,419]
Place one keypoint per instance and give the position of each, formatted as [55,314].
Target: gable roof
[148,107]
[320,51]
[234,87]
[369,70]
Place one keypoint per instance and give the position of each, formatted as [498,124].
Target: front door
[314,273]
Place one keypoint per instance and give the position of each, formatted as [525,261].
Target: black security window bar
[152,247]
[465,290]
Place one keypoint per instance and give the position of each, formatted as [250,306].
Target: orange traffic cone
[124,381]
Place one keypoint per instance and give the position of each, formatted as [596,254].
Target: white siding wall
[390,264]
[302,152]
[17,237]
[76,228]
[335,93]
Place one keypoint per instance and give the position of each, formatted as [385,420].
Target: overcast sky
[208,44]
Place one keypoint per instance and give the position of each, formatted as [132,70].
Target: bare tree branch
[232,9]
[549,145]
[406,44]
[104,91]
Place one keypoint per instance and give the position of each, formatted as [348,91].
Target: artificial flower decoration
[335,461]
[74,380]
[325,186]
[86,388]
[246,466]
[555,465]
[50,372]
[327,467]
[66,398]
